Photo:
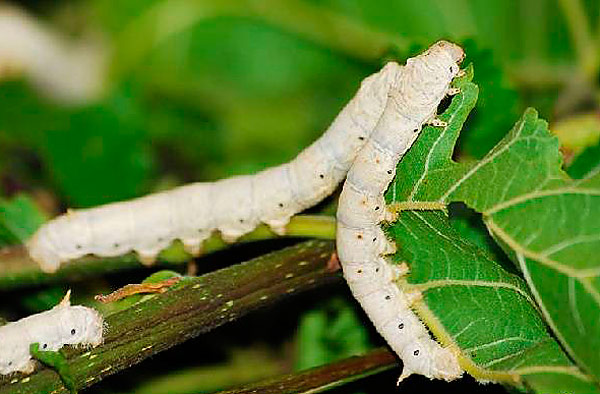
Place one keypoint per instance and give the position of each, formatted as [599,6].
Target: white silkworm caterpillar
[362,244]
[62,325]
[233,206]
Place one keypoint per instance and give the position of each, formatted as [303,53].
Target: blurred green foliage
[329,333]
[199,90]
[586,162]
[19,218]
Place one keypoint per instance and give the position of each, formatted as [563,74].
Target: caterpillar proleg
[233,206]
[62,325]
[361,243]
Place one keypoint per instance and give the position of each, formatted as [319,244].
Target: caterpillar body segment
[362,245]
[233,206]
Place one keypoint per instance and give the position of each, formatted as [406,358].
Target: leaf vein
[485,161]
[570,242]
[579,273]
[573,304]
[540,194]
[499,342]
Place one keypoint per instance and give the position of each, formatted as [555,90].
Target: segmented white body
[361,243]
[62,325]
[233,206]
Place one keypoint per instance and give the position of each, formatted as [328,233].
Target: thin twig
[323,378]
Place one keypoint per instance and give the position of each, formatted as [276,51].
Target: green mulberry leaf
[547,223]
[19,218]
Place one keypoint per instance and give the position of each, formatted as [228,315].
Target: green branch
[323,378]
[18,270]
[197,306]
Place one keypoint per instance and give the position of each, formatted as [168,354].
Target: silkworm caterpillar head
[445,57]
[455,53]
[58,240]
[433,70]
[43,252]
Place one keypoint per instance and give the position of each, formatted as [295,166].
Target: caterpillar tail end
[448,366]
[455,51]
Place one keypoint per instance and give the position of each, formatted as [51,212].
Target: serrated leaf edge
[522,253]
[483,375]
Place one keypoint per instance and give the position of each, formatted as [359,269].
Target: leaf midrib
[577,273]
[539,194]
[523,265]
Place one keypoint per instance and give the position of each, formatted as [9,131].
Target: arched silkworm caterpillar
[62,325]
[233,206]
[361,243]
